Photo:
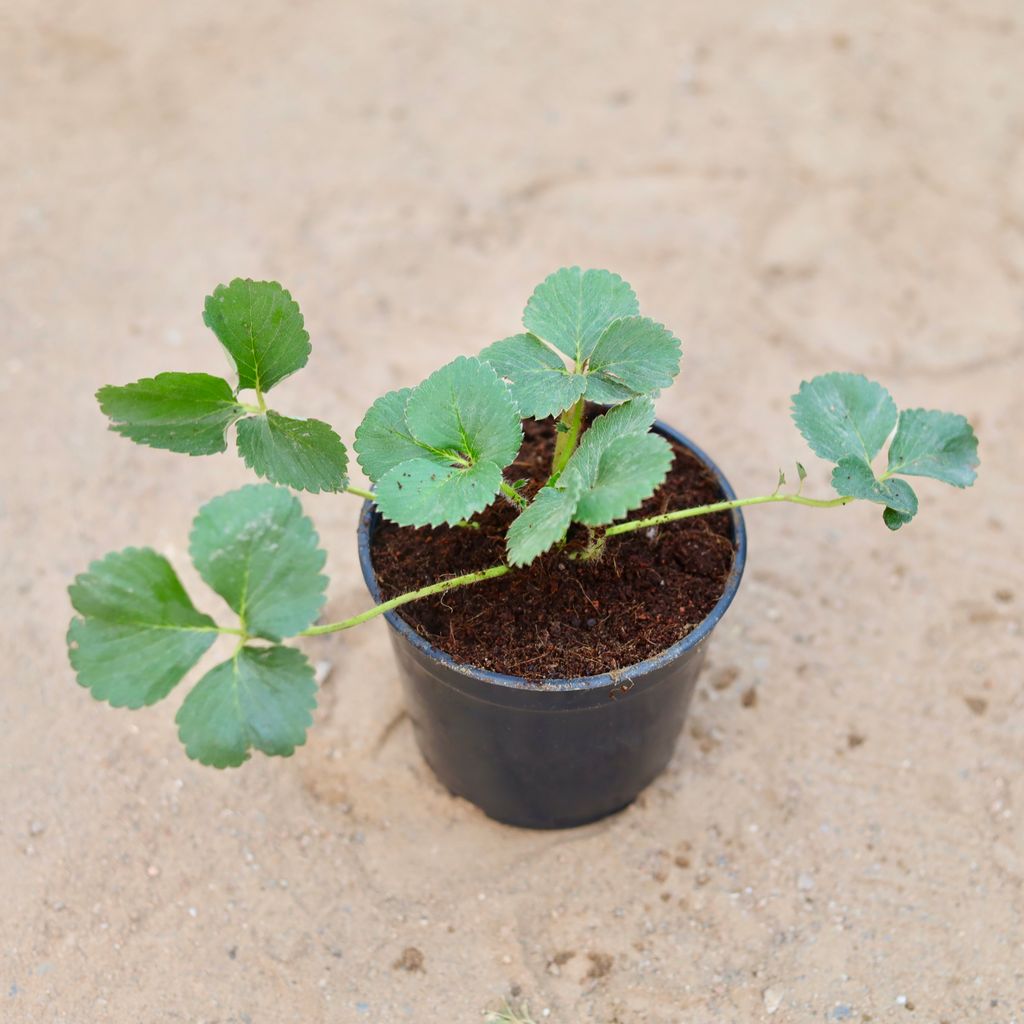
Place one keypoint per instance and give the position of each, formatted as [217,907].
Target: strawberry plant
[438,453]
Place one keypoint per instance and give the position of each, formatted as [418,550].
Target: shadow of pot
[560,752]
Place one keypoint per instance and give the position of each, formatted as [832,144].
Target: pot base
[545,761]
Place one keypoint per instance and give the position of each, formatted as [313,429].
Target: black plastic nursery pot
[560,752]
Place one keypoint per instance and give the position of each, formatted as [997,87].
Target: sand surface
[794,187]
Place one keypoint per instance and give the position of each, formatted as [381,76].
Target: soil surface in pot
[561,617]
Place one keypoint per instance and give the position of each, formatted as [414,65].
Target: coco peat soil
[561,617]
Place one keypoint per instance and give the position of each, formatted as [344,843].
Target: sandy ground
[793,187]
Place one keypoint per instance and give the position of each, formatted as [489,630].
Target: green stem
[360,493]
[500,570]
[413,595]
[568,434]
[259,398]
[513,495]
[723,506]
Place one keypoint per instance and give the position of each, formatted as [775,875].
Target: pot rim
[606,679]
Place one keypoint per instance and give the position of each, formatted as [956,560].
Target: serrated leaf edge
[611,273]
[973,436]
[434,522]
[80,617]
[638,504]
[277,483]
[794,412]
[249,749]
[315,537]
[117,426]
[677,345]
[302,325]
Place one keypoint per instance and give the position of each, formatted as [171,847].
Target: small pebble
[976,704]
[805,882]
[772,999]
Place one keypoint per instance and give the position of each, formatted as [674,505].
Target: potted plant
[560,558]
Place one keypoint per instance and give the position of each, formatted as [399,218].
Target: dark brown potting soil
[561,617]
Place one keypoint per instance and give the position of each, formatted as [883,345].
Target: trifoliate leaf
[619,463]
[438,457]
[853,477]
[545,521]
[259,552]
[261,699]
[261,327]
[382,440]
[571,309]
[844,414]
[941,445]
[427,492]
[630,470]
[138,633]
[634,356]
[181,412]
[539,381]
[306,455]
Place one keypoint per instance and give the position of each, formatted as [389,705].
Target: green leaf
[181,412]
[382,440]
[571,309]
[261,327]
[427,492]
[261,699]
[138,633]
[633,417]
[539,381]
[545,521]
[844,414]
[894,520]
[854,477]
[438,457]
[306,455]
[466,409]
[634,356]
[941,445]
[257,550]
[631,469]
[619,463]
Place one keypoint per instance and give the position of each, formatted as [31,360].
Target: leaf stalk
[597,546]
[360,492]
[513,495]
[724,506]
[567,437]
[413,595]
